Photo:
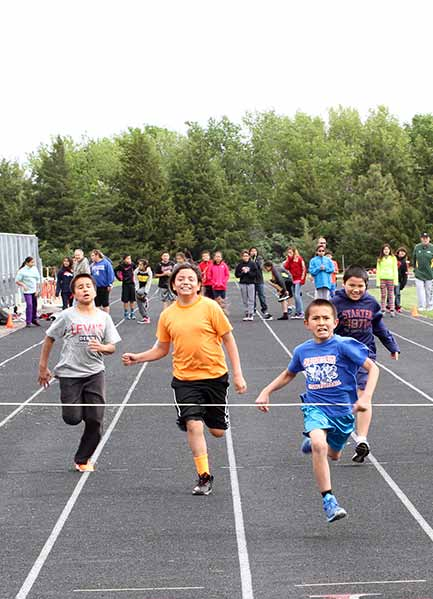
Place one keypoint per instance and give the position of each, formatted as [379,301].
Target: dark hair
[126,256]
[355,270]
[69,259]
[381,254]
[82,275]
[144,261]
[97,253]
[181,255]
[267,263]
[253,248]
[401,249]
[26,261]
[320,302]
[320,247]
[184,266]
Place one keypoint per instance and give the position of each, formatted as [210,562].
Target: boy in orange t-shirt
[197,328]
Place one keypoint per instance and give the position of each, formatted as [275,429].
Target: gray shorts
[165,295]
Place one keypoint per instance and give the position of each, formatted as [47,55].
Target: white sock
[360,439]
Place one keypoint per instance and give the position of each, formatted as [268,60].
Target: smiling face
[84,290]
[386,250]
[355,288]
[186,284]
[321,322]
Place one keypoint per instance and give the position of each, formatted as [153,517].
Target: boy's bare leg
[196,438]
[320,452]
[363,420]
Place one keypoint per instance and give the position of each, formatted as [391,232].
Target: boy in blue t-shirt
[330,363]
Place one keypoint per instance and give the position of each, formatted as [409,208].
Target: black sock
[326,492]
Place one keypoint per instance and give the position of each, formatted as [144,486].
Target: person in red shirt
[295,264]
[204,266]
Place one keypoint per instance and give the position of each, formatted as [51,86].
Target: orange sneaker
[89,467]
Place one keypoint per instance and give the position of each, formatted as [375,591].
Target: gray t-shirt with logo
[76,329]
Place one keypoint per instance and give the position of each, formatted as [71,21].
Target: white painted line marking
[136,590]
[20,354]
[392,373]
[21,406]
[244,562]
[346,596]
[403,498]
[409,341]
[336,584]
[49,544]
[429,324]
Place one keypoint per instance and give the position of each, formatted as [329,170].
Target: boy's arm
[102,348]
[233,354]
[385,335]
[44,374]
[281,381]
[365,396]
[158,351]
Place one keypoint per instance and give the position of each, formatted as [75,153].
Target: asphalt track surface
[133,530]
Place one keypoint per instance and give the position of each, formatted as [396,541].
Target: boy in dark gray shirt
[88,334]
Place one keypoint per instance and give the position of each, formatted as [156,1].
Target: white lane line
[336,584]
[387,478]
[429,324]
[49,544]
[396,376]
[244,562]
[137,589]
[20,354]
[21,406]
[408,340]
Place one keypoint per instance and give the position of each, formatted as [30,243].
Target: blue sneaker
[332,510]
[306,445]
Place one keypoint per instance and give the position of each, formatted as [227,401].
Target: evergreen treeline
[268,181]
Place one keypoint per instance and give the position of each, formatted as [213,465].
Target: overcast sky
[96,67]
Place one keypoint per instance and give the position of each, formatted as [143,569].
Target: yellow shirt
[195,331]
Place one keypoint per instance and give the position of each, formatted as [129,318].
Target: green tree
[15,216]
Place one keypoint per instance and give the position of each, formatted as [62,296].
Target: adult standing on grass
[422,264]
[29,279]
[102,271]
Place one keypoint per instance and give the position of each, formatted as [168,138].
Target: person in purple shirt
[360,316]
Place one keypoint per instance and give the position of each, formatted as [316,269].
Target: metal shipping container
[14,248]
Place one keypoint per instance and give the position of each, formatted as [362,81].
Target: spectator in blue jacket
[321,268]
[63,284]
[102,271]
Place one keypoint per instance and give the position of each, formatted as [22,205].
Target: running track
[132,530]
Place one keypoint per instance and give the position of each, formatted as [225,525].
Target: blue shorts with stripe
[338,428]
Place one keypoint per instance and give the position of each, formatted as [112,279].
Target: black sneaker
[284,297]
[361,452]
[204,485]
[285,316]
[267,316]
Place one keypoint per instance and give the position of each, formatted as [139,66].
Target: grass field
[408,299]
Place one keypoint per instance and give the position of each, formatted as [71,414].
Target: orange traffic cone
[9,323]
[414,312]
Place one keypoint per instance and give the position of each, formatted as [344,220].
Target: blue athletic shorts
[338,428]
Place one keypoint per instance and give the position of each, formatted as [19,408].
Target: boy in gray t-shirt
[87,334]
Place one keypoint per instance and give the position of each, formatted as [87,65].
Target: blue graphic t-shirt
[330,369]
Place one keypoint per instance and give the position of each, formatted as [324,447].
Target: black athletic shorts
[102,297]
[205,391]
[128,293]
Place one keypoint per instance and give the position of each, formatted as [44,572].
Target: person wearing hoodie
[321,268]
[102,271]
[246,272]
[401,255]
[219,274]
[143,282]
[63,283]
[260,283]
[125,273]
[360,316]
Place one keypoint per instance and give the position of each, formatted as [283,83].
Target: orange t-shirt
[195,331]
